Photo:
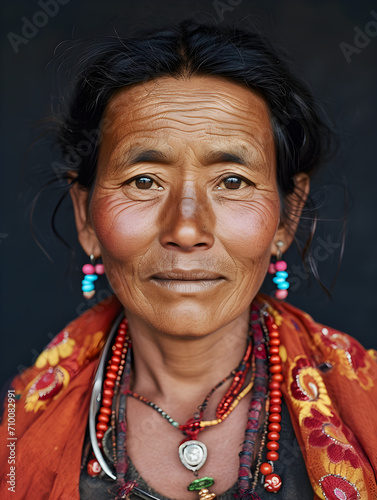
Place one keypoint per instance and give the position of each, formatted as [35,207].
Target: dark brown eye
[232,182]
[143,182]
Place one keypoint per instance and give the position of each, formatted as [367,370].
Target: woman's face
[186,181]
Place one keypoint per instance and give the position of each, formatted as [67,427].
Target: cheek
[248,229]
[123,228]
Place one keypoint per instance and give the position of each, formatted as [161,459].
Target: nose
[187,221]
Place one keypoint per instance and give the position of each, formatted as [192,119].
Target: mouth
[187,275]
[194,280]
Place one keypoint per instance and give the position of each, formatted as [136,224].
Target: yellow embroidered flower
[59,348]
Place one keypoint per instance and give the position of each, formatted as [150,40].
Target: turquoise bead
[283,286]
[87,288]
[86,282]
[91,277]
[278,280]
[282,274]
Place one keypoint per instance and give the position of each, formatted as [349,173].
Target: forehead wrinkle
[174,106]
[181,98]
[134,117]
[124,128]
[145,124]
[136,109]
[209,111]
[223,97]
[201,117]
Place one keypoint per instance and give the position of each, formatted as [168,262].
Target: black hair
[303,138]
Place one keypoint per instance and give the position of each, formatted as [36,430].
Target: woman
[188,154]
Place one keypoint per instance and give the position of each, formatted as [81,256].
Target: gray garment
[290,467]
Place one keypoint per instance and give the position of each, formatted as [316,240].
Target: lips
[187,275]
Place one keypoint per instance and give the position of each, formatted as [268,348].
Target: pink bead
[271,268]
[100,269]
[88,269]
[281,265]
[281,294]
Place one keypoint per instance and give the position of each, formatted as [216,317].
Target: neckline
[257,406]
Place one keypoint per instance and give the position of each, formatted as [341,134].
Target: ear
[295,203]
[85,233]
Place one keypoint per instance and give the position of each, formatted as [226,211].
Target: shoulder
[330,387]
[65,357]
[320,344]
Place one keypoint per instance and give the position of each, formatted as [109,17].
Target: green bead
[176,424]
[199,484]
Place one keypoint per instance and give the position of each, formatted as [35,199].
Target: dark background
[37,299]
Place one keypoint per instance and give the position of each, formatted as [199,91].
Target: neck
[171,370]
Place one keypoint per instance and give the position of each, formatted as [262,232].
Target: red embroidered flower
[330,433]
[45,387]
[307,385]
[335,487]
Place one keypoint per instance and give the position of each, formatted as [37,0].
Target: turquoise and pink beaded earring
[279,269]
[91,272]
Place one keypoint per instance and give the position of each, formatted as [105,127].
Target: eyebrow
[236,154]
[227,157]
[136,154]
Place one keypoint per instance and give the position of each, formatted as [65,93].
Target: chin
[188,321]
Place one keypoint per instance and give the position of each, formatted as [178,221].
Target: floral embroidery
[335,487]
[59,348]
[331,434]
[347,354]
[307,386]
[45,387]
[331,443]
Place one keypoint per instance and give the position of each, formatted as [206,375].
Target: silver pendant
[193,454]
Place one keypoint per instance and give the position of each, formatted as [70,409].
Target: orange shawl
[334,413]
